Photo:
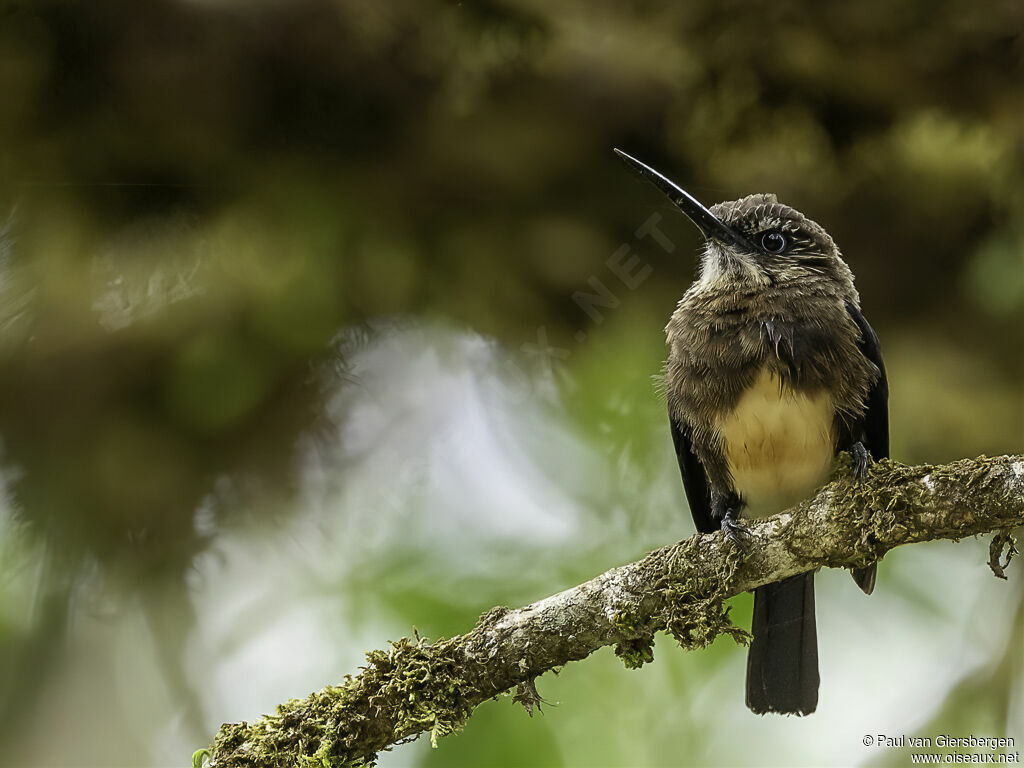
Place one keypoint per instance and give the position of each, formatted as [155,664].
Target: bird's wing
[876,412]
[695,480]
[875,422]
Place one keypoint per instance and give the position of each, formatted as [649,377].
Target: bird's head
[755,240]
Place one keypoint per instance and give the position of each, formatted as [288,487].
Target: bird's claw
[733,530]
[861,460]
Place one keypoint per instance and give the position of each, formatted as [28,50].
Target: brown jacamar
[772,371]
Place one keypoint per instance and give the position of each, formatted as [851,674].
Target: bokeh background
[295,351]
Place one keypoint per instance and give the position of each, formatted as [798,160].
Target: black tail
[782,666]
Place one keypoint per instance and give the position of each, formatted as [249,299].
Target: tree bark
[416,686]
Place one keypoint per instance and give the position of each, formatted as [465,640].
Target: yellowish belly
[778,443]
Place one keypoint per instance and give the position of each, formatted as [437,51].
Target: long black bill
[709,225]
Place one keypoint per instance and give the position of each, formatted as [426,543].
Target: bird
[772,372]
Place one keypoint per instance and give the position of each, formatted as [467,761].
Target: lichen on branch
[417,687]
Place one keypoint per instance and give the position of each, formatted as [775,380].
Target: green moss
[419,685]
[636,652]
[880,513]
[625,621]
[1003,541]
[493,616]
[695,612]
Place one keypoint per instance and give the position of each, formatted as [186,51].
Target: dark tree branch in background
[417,686]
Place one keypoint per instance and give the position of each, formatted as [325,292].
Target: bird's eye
[774,242]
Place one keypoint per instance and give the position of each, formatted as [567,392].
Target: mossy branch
[416,686]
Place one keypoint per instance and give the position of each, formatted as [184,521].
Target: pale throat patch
[779,444]
[719,268]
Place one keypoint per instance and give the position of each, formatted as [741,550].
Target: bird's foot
[733,529]
[861,460]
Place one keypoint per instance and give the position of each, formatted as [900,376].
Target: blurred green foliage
[203,194]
